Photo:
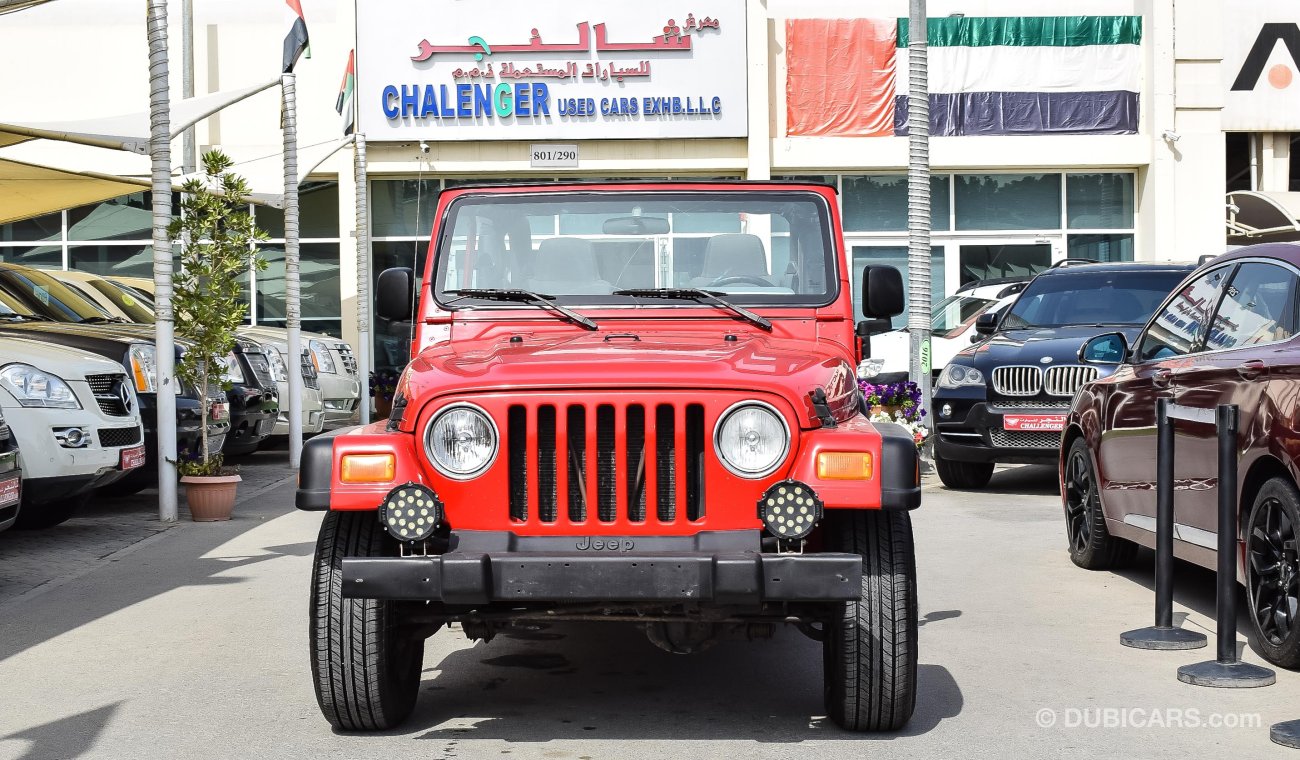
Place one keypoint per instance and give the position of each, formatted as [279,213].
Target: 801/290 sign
[553,156]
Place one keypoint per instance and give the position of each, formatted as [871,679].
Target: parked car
[252,401]
[578,439]
[126,345]
[1005,399]
[11,477]
[77,420]
[952,326]
[332,358]
[127,303]
[1227,335]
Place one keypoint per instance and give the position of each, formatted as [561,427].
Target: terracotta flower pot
[383,408]
[212,497]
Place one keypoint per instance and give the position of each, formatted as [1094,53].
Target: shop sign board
[1261,66]
[522,70]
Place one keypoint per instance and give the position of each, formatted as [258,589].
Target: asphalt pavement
[192,644]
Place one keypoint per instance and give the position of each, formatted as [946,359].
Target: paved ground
[193,645]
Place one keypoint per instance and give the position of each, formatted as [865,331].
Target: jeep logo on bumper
[587,543]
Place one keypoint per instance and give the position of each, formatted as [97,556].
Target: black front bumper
[743,578]
[974,433]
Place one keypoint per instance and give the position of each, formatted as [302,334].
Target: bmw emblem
[1046,360]
[123,395]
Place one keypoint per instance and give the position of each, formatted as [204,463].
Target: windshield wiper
[102,321]
[695,294]
[25,318]
[542,300]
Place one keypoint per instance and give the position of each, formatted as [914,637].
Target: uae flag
[295,42]
[344,103]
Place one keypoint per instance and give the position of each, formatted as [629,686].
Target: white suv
[75,419]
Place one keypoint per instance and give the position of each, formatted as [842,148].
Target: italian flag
[295,42]
[987,75]
[344,103]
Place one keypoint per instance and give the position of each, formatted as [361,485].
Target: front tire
[1092,547]
[963,475]
[1273,573]
[365,663]
[869,650]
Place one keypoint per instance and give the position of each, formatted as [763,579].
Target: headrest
[735,254]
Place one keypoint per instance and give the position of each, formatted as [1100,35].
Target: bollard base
[1287,733]
[1226,675]
[1161,637]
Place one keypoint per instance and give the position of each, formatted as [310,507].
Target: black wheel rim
[1273,576]
[1080,500]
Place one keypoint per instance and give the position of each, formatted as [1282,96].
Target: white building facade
[1109,132]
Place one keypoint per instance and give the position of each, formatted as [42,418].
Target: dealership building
[1114,134]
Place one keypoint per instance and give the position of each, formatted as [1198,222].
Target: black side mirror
[1110,348]
[394,292]
[867,328]
[986,324]
[882,292]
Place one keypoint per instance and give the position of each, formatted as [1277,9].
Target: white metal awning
[1257,216]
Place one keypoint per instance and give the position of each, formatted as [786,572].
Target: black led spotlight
[790,510]
[411,512]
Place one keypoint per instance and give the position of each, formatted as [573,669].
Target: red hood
[606,360]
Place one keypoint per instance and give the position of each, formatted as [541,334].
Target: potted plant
[218,249]
[383,385]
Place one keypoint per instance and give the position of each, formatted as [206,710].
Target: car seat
[567,265]
[733,254]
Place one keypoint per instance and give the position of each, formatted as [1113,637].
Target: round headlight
[751,439]
[461,441]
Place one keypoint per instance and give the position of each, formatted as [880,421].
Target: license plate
[218,410]
[10,490]
[133,457]
[1034,422]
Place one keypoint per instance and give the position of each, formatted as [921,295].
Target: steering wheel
[740,279]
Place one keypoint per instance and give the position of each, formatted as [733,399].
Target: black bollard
[1163,635]
[1227,671]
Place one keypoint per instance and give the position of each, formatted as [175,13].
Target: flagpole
[363,275]
[164,339]
[292,305]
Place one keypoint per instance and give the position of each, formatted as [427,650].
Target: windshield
[135,307]
[10,306]
[755,247]
[954,313]
[1110,298]
[49,297]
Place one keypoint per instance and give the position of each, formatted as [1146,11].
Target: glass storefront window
[47,227]
[402,207]
[113,260]
[129,217]
[1008,201]
[878,202]
[318,212]
[1099,201]
[1100,247]
[997,260]
[44,256]
[330,327]
[319,275]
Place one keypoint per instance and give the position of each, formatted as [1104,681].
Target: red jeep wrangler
[630,403]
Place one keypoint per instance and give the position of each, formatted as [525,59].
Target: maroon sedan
[1229,334]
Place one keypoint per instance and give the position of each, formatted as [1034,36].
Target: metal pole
[1227,671]
[292,306]
[189,158]
[164,339]
[1163,635]
[363,275]
[918,202]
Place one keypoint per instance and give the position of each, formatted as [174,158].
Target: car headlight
[321,358]
[461,441]
[33,387]
[279,370]
[751,439]
[958,376]
[144,368]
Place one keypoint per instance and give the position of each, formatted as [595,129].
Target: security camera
[1170,136]
[424,147]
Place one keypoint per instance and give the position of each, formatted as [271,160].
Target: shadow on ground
[65,738]
[606,681]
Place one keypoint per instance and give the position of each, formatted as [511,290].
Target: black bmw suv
[1004,399]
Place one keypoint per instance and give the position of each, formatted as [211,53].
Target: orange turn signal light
[844,465]
[368,468]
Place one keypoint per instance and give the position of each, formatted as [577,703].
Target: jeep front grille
[1067,379]
[611,460]
[1017,380]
